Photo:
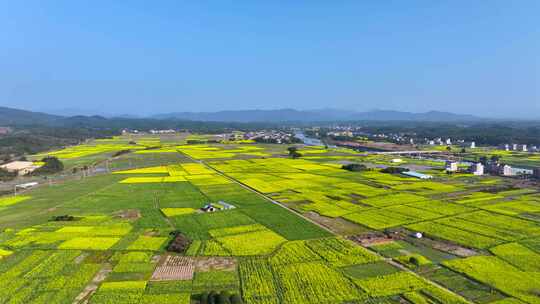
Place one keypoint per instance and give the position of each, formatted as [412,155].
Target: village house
[5,130]
[451,166]
[221,205]
[477,169]
[21,167]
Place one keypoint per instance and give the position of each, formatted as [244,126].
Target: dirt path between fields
[388,260]
[259,193]
[102,274]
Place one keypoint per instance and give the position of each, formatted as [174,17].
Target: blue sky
[146,57]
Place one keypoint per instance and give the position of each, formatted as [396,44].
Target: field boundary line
[388,260]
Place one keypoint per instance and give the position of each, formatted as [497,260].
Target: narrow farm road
[262,195]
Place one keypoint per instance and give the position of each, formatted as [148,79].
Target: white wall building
[451,166]
[477,169]
[507,170]
[21,167]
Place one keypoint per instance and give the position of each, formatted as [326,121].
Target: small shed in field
[417,175]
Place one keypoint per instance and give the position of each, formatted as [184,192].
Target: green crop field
[284,230]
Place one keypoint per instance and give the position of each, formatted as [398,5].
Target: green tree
[292,150]
[52,165]
[394,170]
[296,155]
[204,297]
[354,167]
[236,299]
[223,298]
[414,261]
[212,297]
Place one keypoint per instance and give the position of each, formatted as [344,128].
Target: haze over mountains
[282,115]
[15,116]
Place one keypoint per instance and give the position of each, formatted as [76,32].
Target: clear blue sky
[145,57]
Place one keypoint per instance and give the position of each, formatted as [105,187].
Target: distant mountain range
[289,115]
[10,116]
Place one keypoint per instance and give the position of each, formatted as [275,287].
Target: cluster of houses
[344,133]
[472,145]
[271,136]
[519,147]
[440,141]
[493,168]
[475,168]
[168,131]
[153,131]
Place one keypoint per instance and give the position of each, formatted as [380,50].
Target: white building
[21,167]
[477,169]
[26,185]
[514,147]
[524,148]
[417,175]
[451,166]
[448,141]
[473,145]
[507,147]
[507,171]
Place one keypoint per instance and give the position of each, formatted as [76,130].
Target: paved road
[406,152]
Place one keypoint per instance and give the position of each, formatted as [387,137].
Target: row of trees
[223,297]
[52,165]
[355,167]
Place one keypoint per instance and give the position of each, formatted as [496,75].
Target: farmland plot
[116,243]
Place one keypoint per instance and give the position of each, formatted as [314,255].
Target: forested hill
[12,117]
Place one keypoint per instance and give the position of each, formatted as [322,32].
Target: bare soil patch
[374,238]
[128,214]
[215,263]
